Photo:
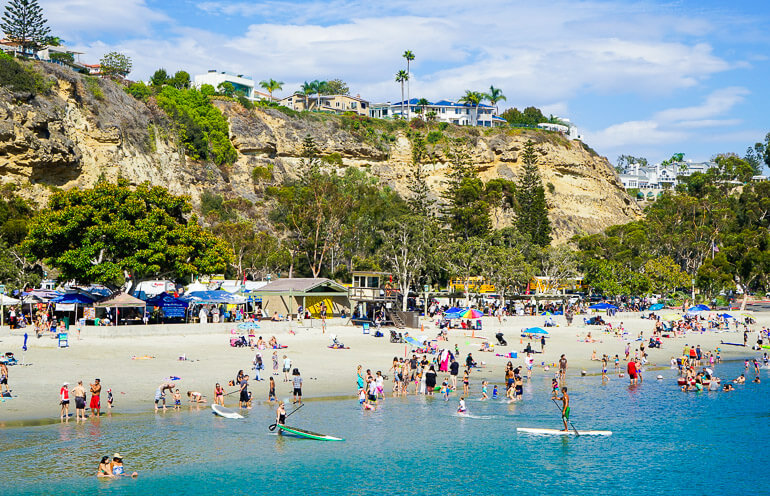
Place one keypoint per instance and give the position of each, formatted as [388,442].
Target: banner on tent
[65,307]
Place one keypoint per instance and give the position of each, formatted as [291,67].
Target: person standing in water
[565,407]
[79,392]
[64,401]
[96,392]
[280,414]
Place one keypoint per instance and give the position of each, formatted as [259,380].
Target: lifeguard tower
[373,291]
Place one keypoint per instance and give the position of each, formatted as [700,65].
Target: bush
[245,102]
[417,123]
[434,137]
[15,77]
[92,84]
[333,159]
[262,173]
[140,91]
[442,126]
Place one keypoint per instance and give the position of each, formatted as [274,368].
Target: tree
[110,232]
[462,258]
[409,56]
[159,78]
[181,80]
[532,213]
[420,201]
[115,64]
[226,88]
[402,77]
[23,23]
[336,87]
[665,275]
[558,265]
[531,116]
[473,98]
[318,88]
[626,162]
[422,104]
[506,268]
[307,89]
[270,86]
[467,211]
[495,95]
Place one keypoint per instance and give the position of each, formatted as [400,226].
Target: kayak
[226,412]
[557,432]
[296,431]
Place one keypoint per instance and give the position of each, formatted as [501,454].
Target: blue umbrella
[602,306]
[454,310]
[657,306]
[726,316]
[412,341]
[535,330]
[698,308]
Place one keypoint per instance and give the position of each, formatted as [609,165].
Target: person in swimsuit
[110,399]
[64,401]
[79,392]
[518,387]
[96,391]
[244,401]
[117,466]
[177,396]
[105,468]
[271,392]
[4,377]
[195,397]
[565,407]
[466,382]
[484,395]
[160,396]
[219,395]
[280,414]
[461,408]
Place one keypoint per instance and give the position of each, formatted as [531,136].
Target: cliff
[86,128]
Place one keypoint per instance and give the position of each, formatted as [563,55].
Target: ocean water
[664,441]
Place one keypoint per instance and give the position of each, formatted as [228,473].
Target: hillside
[85,128]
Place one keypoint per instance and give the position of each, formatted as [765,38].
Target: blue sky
[644,78]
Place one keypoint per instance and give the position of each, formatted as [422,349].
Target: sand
[326,372]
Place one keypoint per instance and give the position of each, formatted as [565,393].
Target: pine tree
[419,201]
[467,211]
[532,214]
[23,23]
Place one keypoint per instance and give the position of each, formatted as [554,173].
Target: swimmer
[117,467]
[728,387]
[104,468]
[484,390]
[756,380]
[740,380]
[461,408]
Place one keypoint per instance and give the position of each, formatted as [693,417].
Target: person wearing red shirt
[64,401]
[632,371]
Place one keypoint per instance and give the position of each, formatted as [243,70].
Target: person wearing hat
[64,401]
[117,466]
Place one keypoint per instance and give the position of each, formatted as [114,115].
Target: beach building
[660,177]
[285,296]
[336,104]
[215,78]
[440,111]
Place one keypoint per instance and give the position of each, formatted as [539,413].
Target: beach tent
[656,307]
[5,301]
[535,330]
[172,307]
[69,302]
[726,316]
[603,306]
[121,300]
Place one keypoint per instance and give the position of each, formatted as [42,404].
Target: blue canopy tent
[69,302]
[171,307]
[698,308]
[656,307]
[603,306]
[212,297]
[726,316]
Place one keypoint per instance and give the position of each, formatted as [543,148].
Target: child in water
[494,392]
[484,390]
[177,399]
[461,408]
[445,388]
[554,387]
[110,399]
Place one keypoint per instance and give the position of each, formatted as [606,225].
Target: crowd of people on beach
[79,395]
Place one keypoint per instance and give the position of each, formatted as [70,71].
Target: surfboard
[733,344]
[296,431]
[556,432]
[225,412]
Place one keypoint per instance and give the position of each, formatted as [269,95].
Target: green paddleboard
[296,431]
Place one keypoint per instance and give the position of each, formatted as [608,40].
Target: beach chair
[63,340]
[365,328]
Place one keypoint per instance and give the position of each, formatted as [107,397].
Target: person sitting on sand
[275,317]
[273,343]
[195,397]
[260,343]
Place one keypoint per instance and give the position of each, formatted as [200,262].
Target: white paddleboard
[556,432]
[226,412]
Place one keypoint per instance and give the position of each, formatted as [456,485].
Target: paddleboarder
[280,414]
[565,407]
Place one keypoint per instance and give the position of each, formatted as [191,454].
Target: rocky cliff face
[87,129]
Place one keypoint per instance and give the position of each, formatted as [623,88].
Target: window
[373,282]
[384,111]
[353,105]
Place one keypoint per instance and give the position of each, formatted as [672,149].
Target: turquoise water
[663,441]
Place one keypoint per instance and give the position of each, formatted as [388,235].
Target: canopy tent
[603,306]
[656,307]
[212,297]
[120,300]
[77,298]
[535,330]
[698,309]
[454,310]
[172,307]
[40,296]
[6,300]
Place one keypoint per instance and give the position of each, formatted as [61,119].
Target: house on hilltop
[240,82]
[440,111]
[336,104]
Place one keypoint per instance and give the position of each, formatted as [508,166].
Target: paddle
[273,426]
[570,422]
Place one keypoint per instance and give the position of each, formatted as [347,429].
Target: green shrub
[434,137]
[245,102]
[442,126]
[92,84]
[333,159]
[140,91]
[262,173]
[15,77]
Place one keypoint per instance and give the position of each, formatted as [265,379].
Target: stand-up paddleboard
[557,432]
[226,412]
[733,344]
[296,431]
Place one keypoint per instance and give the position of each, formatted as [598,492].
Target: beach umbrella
[546,313]
[698,308]
[454,310]
[726,316]
[670,317]
[603,306]
[471,313]
[412,341]
[656,307]
[535,330]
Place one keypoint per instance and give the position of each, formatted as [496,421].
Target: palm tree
[271,85]
[422,103]
[473,98]
[495,95]
[307,89]
[409,56]
[318,88]
[402,77]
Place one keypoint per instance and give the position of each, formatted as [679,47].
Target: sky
[648,78]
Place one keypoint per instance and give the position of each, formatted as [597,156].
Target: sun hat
[117,455]
[66,384]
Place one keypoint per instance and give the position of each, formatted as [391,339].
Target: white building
[566,128]
[441,111]
[215,78]
[661,176]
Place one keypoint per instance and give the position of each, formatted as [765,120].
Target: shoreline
[328,374]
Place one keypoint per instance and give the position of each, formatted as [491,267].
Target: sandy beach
[326,372]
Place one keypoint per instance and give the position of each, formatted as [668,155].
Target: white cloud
[716,104]
[75,19]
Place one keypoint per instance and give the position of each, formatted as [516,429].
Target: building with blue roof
[458,113]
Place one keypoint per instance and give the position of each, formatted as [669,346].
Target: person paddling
[565,407]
